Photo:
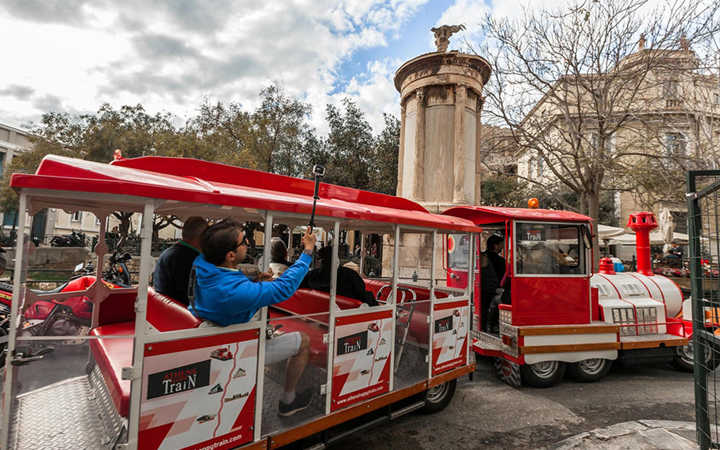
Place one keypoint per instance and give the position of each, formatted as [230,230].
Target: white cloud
[172,56]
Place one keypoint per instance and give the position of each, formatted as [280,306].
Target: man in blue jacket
[224,296]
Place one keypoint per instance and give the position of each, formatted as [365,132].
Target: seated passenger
[278,257]
[172,271]
[349,282]
[224,296]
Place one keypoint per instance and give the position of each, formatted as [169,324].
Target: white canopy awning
[607,232]
[656,238]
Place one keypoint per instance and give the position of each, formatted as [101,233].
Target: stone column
[459,147]
[418,191]
[401,153]
[478,156]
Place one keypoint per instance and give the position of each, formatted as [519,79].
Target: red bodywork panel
[177,179]
[550,301]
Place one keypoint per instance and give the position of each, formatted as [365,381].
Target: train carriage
[147,375]
[555,314]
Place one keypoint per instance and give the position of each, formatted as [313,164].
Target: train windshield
[549,249]
[458,246]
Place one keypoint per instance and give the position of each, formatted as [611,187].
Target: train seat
[113,353]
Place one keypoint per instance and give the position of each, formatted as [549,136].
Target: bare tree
[580,88]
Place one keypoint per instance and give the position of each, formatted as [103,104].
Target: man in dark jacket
[349,283]
[172,271]
[492,251]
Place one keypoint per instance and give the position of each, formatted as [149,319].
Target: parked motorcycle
[67,317]
[74,239]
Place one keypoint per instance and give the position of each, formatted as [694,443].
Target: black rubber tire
[543,374]
[590,370]
[683,358]
[438,397]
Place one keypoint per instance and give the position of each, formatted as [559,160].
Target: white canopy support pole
[362,254]
[396,271]
[432,303]
[261,343]
[392,299]
[18,285]
[470,292]
[141,328]
[335,263]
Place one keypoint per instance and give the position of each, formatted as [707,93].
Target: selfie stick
[319,172]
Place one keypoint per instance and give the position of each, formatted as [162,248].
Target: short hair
[193,228]
[494,239]
[278,251]
[220,238]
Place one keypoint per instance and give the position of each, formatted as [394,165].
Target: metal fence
[703,200]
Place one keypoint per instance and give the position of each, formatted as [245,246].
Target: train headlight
[625,317]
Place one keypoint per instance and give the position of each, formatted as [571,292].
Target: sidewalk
[636,435]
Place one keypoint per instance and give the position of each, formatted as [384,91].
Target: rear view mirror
[587,236]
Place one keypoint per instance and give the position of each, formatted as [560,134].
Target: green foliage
[502,190]
[276,137]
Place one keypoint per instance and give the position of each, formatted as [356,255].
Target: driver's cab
[534,265]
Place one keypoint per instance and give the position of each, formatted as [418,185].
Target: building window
[670,89]
[531,167]
[609,142]
[675,144]
[716,98]
[680,221]
[76,216]
[540,167]
[10,218]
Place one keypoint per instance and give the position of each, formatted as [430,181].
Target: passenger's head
[495,244]
[193,229]
[325,256]
[224,243]
[278,251]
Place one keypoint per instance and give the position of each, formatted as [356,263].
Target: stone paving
[636,435]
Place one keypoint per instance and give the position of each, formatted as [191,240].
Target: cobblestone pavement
[487,413]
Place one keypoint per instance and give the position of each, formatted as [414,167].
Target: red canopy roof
[189,180]
[489,214]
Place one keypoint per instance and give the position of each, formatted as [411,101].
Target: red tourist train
[555,314]
[147,375]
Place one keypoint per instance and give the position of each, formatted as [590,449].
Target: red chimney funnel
[606,266]
[642,223]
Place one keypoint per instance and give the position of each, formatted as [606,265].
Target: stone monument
[438,165]
[441,100]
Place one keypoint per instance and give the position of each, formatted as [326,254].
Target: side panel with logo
[450,335]
[199,392]
[361,363]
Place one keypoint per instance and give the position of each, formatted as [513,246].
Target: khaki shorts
[279,348]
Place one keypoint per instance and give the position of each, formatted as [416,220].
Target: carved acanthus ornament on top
[442,35]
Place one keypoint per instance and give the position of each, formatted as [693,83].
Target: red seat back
[166,314]
[310,301]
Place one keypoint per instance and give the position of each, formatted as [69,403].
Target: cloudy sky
[74,55]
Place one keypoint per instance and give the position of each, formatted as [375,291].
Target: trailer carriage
[148,376]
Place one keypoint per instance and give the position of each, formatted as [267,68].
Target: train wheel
[438,397]
[542,374]
[684,358]
[590,370]
[508,372]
